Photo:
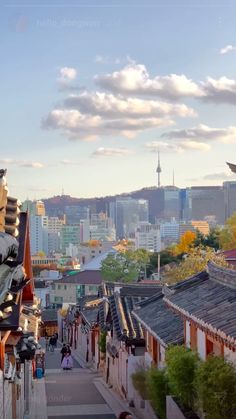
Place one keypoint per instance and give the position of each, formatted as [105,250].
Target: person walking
[56,339]
[63,351]
[46,342]
[52,342]
[67,363]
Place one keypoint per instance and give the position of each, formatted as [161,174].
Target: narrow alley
[75,394]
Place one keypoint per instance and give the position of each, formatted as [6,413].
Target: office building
[204,201]
[229,189]
[129,213]
[75,213]
[148,237]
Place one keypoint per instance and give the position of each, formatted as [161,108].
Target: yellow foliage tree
[196,261]
[185,243]
[227,237]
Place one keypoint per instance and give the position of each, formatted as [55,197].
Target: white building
[148,237]
[38,234]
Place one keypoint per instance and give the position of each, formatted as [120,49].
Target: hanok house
[125,338]
[162,327]
[207,304]
[81,330]
[49,322]
[19,315]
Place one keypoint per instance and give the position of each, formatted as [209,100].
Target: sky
[91,90]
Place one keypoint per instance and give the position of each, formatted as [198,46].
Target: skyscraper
[129,213]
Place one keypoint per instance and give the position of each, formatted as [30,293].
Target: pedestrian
[56,337]
[52,342]
[125,415]
[63,351]
[68,349]
[46,342]
[67,363]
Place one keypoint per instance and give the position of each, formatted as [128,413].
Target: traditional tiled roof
[122,304]
[209,299]
[160,321]
[49,315]
[83,278]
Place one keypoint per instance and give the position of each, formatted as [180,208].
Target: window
[59,287]
[64,287]
[58,299]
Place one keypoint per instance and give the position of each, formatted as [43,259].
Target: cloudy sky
[91,90]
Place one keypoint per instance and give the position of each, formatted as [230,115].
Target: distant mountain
[55,206]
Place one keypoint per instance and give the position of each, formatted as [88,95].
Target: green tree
[216,388]
[157,390]
[213,238]
[119,267]
[227,236]
[182,365]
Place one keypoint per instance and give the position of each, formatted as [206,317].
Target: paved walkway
[73,394]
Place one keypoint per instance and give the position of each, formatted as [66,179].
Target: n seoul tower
[158,170]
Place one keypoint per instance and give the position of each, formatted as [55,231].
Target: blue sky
[91,90]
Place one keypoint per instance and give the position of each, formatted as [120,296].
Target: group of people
[66,358]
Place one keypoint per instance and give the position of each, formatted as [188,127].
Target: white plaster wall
[134,362]
[229,355]
[162,361]
[201,344]
[147,359]
[7,400]
[187,333]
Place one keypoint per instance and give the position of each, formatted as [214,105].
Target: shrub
[216,388]
[139,379]
[102,341]
[182,364]
[158,390]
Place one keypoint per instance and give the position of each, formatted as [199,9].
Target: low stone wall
[143,408]
[172,409]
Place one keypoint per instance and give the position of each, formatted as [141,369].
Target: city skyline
[93,91]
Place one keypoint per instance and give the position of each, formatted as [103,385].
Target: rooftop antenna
[173,178]
[62,191]
[158,170]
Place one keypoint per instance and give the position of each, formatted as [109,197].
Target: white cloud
[135,79]
[108,152]
[34,165]
[219,176]
[67,74]
[227,49]
[77,125]
[203,133]
[109,105]
[178,147]
[222,90]
[22,163]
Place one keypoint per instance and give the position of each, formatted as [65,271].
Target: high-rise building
[38,234]
[171,203]
[204,201]
[102,228]
[148,237]
[69,234]
[84,231]
[75,213]
[129,213]
[169,231]
[229,198]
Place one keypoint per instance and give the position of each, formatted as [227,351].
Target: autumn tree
[196,261]
[228,234]
[185,243]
